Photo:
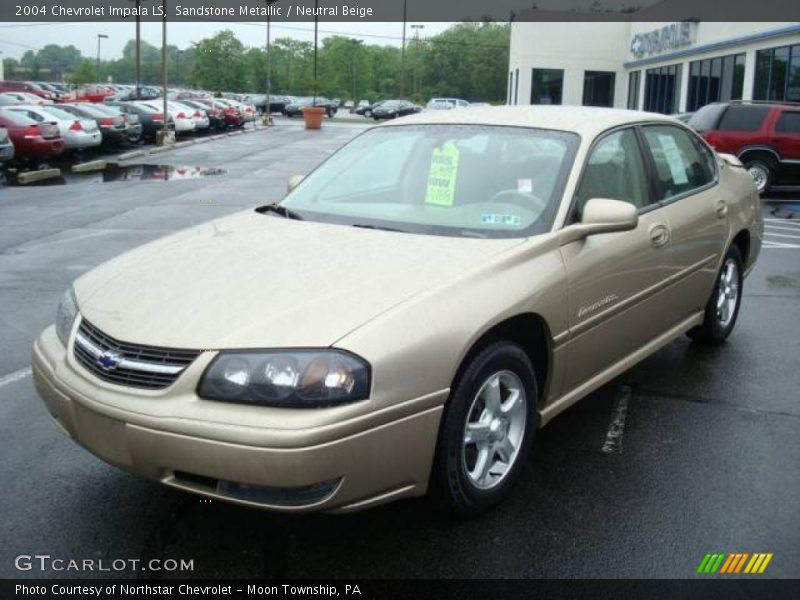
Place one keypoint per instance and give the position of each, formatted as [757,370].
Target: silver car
[77,133]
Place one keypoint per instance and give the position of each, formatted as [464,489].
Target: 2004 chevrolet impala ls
[409,314]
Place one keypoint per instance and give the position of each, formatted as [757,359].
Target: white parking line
[616,427]
[783,221]
[15,376]
[770,227]
[780,245]
[784,235]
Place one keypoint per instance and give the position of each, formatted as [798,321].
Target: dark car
[216,118]
[391,109]
[366,109]
[151,119]
[32,140]
[113,128]
[295,108]
[230,115]
[765,136]
[6,152]
[133,126]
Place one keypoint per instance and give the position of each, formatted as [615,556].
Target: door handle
[659,235]
[721,208]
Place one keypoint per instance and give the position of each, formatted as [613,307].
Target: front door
[615,278]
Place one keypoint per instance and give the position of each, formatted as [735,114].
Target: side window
[789,122]
[743,117]
[682,163]
[615,170]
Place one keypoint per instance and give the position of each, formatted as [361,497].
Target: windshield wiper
[378,227]
[280,210]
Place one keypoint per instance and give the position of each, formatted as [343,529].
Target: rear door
[614,279]
[687,187]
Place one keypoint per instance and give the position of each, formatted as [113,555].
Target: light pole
[164,136]
[267,111]
[100,36]
[178,79]
[416,29]
[403,54]
[138,58]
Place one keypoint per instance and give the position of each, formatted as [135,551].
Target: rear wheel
[722,308]
[487,430]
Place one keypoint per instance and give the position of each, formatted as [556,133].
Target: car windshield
[457,180]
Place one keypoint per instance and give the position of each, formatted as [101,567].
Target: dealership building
[667,67]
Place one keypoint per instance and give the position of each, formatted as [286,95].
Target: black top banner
[398,10]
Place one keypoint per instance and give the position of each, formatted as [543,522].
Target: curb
[33,176]
[94,165]
[131,154]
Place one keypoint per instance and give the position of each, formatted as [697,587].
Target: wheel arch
[532,333]
[751,151]
[742,241]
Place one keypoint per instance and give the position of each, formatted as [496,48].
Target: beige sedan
[410,314]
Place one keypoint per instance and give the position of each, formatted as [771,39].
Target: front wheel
[722,308]
[762,173]
[487,430]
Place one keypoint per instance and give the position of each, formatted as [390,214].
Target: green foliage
[86,72]
[468,60]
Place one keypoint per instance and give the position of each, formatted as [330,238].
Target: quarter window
[682,163]
[615,170]
[789,122]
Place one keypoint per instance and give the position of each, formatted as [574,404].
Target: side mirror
[601,215]
[294,181]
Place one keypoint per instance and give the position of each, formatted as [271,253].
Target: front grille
[132,365]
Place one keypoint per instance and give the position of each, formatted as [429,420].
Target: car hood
[254,280]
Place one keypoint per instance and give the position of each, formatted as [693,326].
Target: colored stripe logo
[734,563]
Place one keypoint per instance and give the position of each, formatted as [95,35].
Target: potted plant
[312,115]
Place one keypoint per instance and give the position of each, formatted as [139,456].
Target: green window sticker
[442,175]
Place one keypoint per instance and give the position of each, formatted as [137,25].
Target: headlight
[298,378]
[65,315]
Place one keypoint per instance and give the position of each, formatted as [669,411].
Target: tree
[219,63]
[86,72]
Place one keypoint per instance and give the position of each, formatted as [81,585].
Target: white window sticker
[525,186]
[673,158]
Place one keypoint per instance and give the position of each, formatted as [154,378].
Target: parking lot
[695,450]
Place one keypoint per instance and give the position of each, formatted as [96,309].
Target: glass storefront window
[778,74]
[547,86]
[662,89]
[715,79]
[598,88]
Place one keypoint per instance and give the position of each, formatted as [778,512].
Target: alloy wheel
[727,292]
[494,429]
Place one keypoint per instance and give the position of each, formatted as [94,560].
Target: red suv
[764,135]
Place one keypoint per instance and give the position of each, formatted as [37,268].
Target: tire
[722,307]
[329,113]
[368,113]
[458,481]
[762,170]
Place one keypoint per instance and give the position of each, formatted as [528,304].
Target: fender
[766,149]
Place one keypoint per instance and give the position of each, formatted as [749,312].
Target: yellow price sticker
[442,175]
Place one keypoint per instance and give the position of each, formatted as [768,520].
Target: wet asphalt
[709,458]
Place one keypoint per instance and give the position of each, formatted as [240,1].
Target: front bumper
[340,467]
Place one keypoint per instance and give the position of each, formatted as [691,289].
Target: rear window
[17,118]
[707,117]
[743,117]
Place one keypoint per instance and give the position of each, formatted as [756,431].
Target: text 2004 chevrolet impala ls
[409,314]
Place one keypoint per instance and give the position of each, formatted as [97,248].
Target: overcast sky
[16,38]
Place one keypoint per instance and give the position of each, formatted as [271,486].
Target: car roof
[583,120]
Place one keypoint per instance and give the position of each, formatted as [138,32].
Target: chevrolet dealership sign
[669,37]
